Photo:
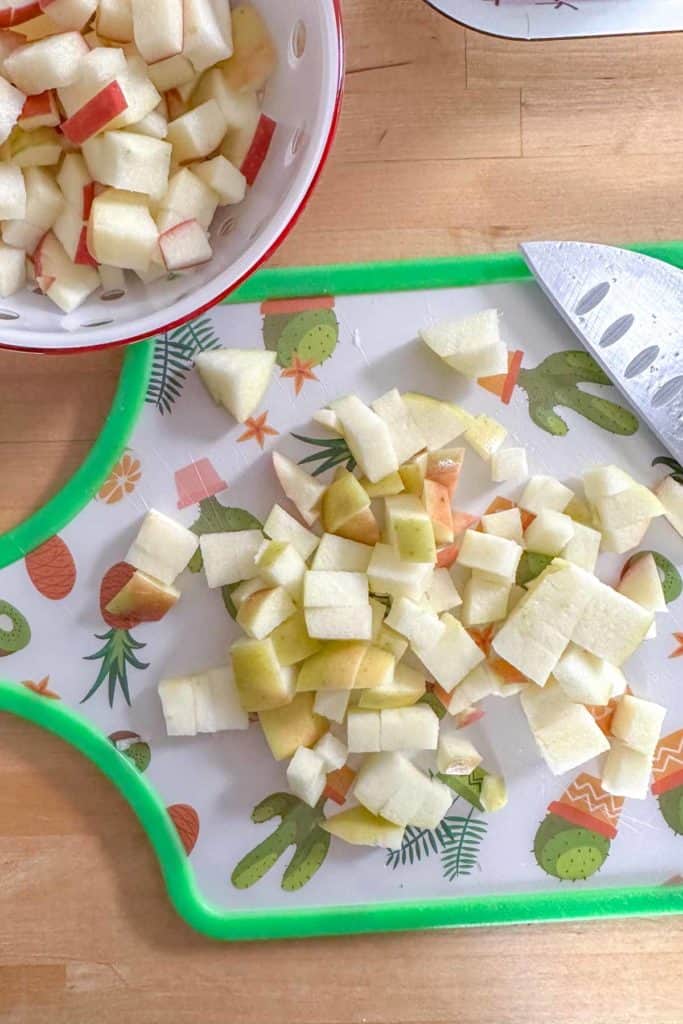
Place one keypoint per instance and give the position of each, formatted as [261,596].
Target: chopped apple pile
[362,659]
[124,126]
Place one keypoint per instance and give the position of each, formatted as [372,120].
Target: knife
[627,310]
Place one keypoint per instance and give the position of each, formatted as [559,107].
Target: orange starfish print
[678,653]
[301,371]
[41,688]
[257,428]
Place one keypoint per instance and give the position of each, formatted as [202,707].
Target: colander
[303,97]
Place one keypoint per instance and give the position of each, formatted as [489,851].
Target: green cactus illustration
[568,851]
[555,383]
[311,334]
[671,806]
[299,827]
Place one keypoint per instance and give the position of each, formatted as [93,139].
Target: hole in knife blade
[592,298]
[641,361]
[668,392]
[617,330]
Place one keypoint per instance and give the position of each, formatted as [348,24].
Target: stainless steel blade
[627,309]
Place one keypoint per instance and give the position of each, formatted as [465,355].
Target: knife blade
[627,310]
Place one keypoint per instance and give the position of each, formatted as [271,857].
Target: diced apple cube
[670,494]
[76,184]
[236,378]
[456,754]
[254,54]
[39,148]
[626,772]
[507,523]
[388,574]
[208,33]
[158,28]
[281,526]
[12,192]
[280,564]
[230,557]
[406,437]
[262,683]
[419,625]
[509,464]
[291,640]
[12,270]
[154,125]
[359,827]
[583,547]
[121,230]
[549,532]
[171,73]
[453,657]
[307,775]
[94,116]
[338,553]
[481,682]
[545,492]
[442,594]
[40,111]
[495,556]
[227,181]
[485,600]
[303,490]
[247,146]
[471,346]
[115,20]
[129,162]
[405,689]
[178,706]
[22,235]
[67,284]
[638,723]
[364,731]
[584,678]
[333,752]
[340,623]
[332,704]
[612,626]
[72,233]
[566,733]
[141,96]
[46,64]
[409,728]
[264,611]
[388,783]
[69,14]
[368,437]
[185,245]
[11,106]
[328,588]
[188,196]
[162,547]
[197,133]
[641,583]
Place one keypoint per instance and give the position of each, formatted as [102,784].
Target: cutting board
[240,859]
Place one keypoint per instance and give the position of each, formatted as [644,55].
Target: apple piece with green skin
[481,682]
[281,526]
[442,594]
[566,734]
[409,728]
[302,489]
[391,641]
[616,511]
[545,492]
[584,678]
[642,583]
[420,626]
[339,554]
[437,504]
[583,547]
[626,772]
[471,346]
[244,590]
[367,436]
[281,565]
[162,547]
[360,827]
[493,795]
[438,422]
[335,667]
[343,499]
[453,657]
[406,437]
[494,556]
[507,523]
[262,683]
[485,600]
[405,689]
[292,726]
[291,640]
[414,539]
[638,723]
[235,378]
[327,588]
[376,670]
[413,475]
[229,557]
[143,595]
[444,467]
[389,574]
[339,623]
[549,533]
[332,704]
[254,54]
[509,464]
[485,435]
[456,755]
[670,494]
[386,487]
[401,506]
[306,775]
[264,611]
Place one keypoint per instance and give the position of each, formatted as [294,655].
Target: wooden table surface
[450,142]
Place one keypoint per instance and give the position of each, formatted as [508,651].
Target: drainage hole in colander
[297,43]
[226,227]
[98,323]
[112,295]
[295,144]
[8,314]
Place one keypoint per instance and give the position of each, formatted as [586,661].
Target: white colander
[303,97]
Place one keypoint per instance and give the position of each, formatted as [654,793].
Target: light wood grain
[450,142]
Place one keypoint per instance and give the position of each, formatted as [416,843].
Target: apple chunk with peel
[335,667]
[158,28]
[185,245]
[67,284]
[11,105]
[76,184]
[121,230]
[39,148]
[12,270]
[438,422]
[406,437]
[264,611]
[456,754]
[262,683]
[405,689]
[360,827]
[248,146]
[471,346]
[641,583]
[292,726]
[162,547]
[291,640]
[281,565]
[494,556]
[367,436]
[254,55]
[281,526]
[40,111]
[453,657]
[670,494]
[143,595]
[388,784]
[230,557]
[197,133]
[302,489]
[72,233]
[437,504]
[16,12]
[94,116]
[227,181]
[236,378]
[48,63]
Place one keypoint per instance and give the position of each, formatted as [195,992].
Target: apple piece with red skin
[444,467]
[437,503]
[143,597]
[40,111]
[76,185]
[72,233]
[20,11]
[185,245]
[66,283]
[96,114]
[247,147]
